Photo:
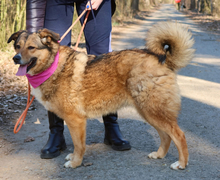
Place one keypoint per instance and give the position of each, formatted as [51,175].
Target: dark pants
[59,17]
[178,6]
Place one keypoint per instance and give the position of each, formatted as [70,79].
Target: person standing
[178,4]
[57,15]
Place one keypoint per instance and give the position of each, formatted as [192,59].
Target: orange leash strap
[21,119]
[68,30]
[84,23]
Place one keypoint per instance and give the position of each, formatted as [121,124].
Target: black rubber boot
[56,141]
[113,134]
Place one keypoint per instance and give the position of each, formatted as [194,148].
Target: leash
[21,119]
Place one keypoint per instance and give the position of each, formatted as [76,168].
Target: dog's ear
[15,36]
[47,36]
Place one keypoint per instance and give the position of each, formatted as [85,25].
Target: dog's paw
[177,166]
[73,161]
[69,157]
[68,164]
[72,164]
[153,155]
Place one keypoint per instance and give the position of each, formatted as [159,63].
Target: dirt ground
[19,154]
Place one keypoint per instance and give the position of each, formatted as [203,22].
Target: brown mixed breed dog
[82,88]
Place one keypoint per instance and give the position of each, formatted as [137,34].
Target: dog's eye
[17,46]
[31,47]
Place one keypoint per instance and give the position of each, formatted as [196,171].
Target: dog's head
[35,52]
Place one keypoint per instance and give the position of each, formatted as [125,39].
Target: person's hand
[95,4]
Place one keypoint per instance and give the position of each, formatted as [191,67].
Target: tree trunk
[193,4]
[3,28]
[135,5]
[18,15]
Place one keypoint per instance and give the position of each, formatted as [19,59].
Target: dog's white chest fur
[38,95]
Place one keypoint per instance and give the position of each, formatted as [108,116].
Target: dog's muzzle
[17,59]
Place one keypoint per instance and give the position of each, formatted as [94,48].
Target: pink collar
[38,79]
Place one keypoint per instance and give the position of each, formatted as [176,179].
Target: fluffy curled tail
[172,40]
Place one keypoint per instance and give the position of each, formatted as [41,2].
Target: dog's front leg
[77,128]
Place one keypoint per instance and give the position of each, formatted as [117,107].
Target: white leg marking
[176,166]
[68,164]
[69,157]
[153,155]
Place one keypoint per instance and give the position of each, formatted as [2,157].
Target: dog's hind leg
[170,130]
[77,128]
[164,146]
[178,136]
